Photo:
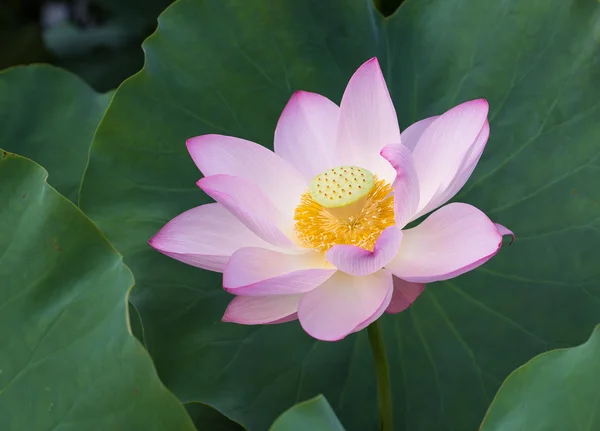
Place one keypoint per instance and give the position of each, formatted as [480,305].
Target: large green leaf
[229,67]
[68,361]
[50,116]
[315,415]
[555,391]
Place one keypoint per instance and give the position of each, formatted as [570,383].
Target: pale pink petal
[445,147]
[357,261]
[473,156]
[305,133]
[464,173]
[258,271]
[205,236]
[259,310]
[451,241]
[367,121]
[384,305]
[245,200]
[411,135]
[277,179]
[334,309]
[406,184]
[405,293]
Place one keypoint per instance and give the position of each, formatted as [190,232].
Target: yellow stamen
[347,213]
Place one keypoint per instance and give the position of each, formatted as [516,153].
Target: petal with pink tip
[405,293]
[245,200]
[445,146]
[384,305]
[357,261]
[305,133]
[277,179]
[205,236]
[260,310]
[464,173]
[335,308]
[258,271]
[406,184]
[411,135]
[367,121]
[453,240]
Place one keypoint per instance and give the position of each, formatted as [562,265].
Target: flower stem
[382,370]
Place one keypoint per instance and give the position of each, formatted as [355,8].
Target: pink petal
[445,147]
[384,305]
[245,200]
[305,133]
[505,231]
[334,309]
[205,236]
[367,121]
[277,179]
[405,293]
[259,310]
[464,173]
[357,261]
[257,271]
[474,155]
[451,241]
[406,184]
[411,135]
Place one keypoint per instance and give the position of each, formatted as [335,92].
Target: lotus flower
[315,230]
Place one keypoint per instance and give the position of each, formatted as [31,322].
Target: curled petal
[335,308]
[259,310]
[205,236]
[505,231]
[245,200]
[305,133]
[257,271]
[453,240]
[406,184]
[357,261]
[367,121]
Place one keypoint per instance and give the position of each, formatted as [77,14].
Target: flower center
[344,205]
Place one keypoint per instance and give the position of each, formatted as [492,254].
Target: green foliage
[315,415]
[555,391]
[67,358]
[50,116]
[229,67]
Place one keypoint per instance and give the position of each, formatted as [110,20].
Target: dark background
[99,40]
